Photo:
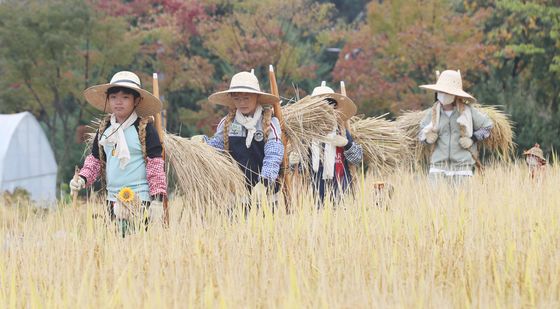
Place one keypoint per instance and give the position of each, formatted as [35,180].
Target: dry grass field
[492,243]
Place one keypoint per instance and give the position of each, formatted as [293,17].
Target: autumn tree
[401,46]
[292,35]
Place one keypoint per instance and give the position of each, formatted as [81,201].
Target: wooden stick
[285,179]
[159,129]
[343,92]
[75,193]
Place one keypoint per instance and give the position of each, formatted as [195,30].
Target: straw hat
[243,82]
[535,151]
[450,82]
[97,95]
[343,103]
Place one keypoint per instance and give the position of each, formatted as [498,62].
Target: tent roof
[25,121]
[8,125]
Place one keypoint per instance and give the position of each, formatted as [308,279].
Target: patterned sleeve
[155,174]
[482,133]
[217,141]
[482,125]
[273,152]
[353,152]
[91,169]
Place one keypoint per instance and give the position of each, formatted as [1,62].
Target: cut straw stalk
[385,145]
[409,124]
[310,119]
[501,137]
[204,173]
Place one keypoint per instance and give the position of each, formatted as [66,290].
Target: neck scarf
[250,123]
[114,136]
[329,157]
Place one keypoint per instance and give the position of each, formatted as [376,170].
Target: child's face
[246,103]
[122,105]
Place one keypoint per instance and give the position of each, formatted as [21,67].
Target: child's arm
[155,171]
[353,152]
[92,165]
[273,153]
[482,125]
[217,141]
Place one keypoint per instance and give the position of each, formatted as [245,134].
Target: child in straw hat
[330,161]
[126,149]
[453,127]
[250,133]
[536,162]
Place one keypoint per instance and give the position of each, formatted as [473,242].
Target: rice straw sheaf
[204,174]
[409,124]
[384,144]
[310,119]
[501,137]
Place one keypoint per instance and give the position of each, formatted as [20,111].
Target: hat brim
[97,96]
[224,97]
[344,104]
[455,92]
[532,153]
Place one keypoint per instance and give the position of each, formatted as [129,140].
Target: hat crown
[323,89]
[450,79]
[245,80]
[126,77]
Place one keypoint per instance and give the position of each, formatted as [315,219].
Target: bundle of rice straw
[409,124]
[204,175]
[501,136]
[385,145]
[305,121]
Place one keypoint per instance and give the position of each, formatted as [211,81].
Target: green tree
[50,51]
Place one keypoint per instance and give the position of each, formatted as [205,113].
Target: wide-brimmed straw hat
[535,151]
[450,82]
[343,103]
[97,95]
[243,82]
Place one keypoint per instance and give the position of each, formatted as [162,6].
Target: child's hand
[199,138]
[431,137]
[466,142]
[338,141]
[77,184]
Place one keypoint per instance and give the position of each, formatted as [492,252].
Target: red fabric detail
[274,130]
[339,164]
[91,169]
[155,174]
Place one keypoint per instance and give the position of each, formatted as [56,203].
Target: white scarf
[464,119]
[114,136]
[250,123]
[329,157]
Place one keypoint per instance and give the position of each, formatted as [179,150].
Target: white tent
[26,158]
